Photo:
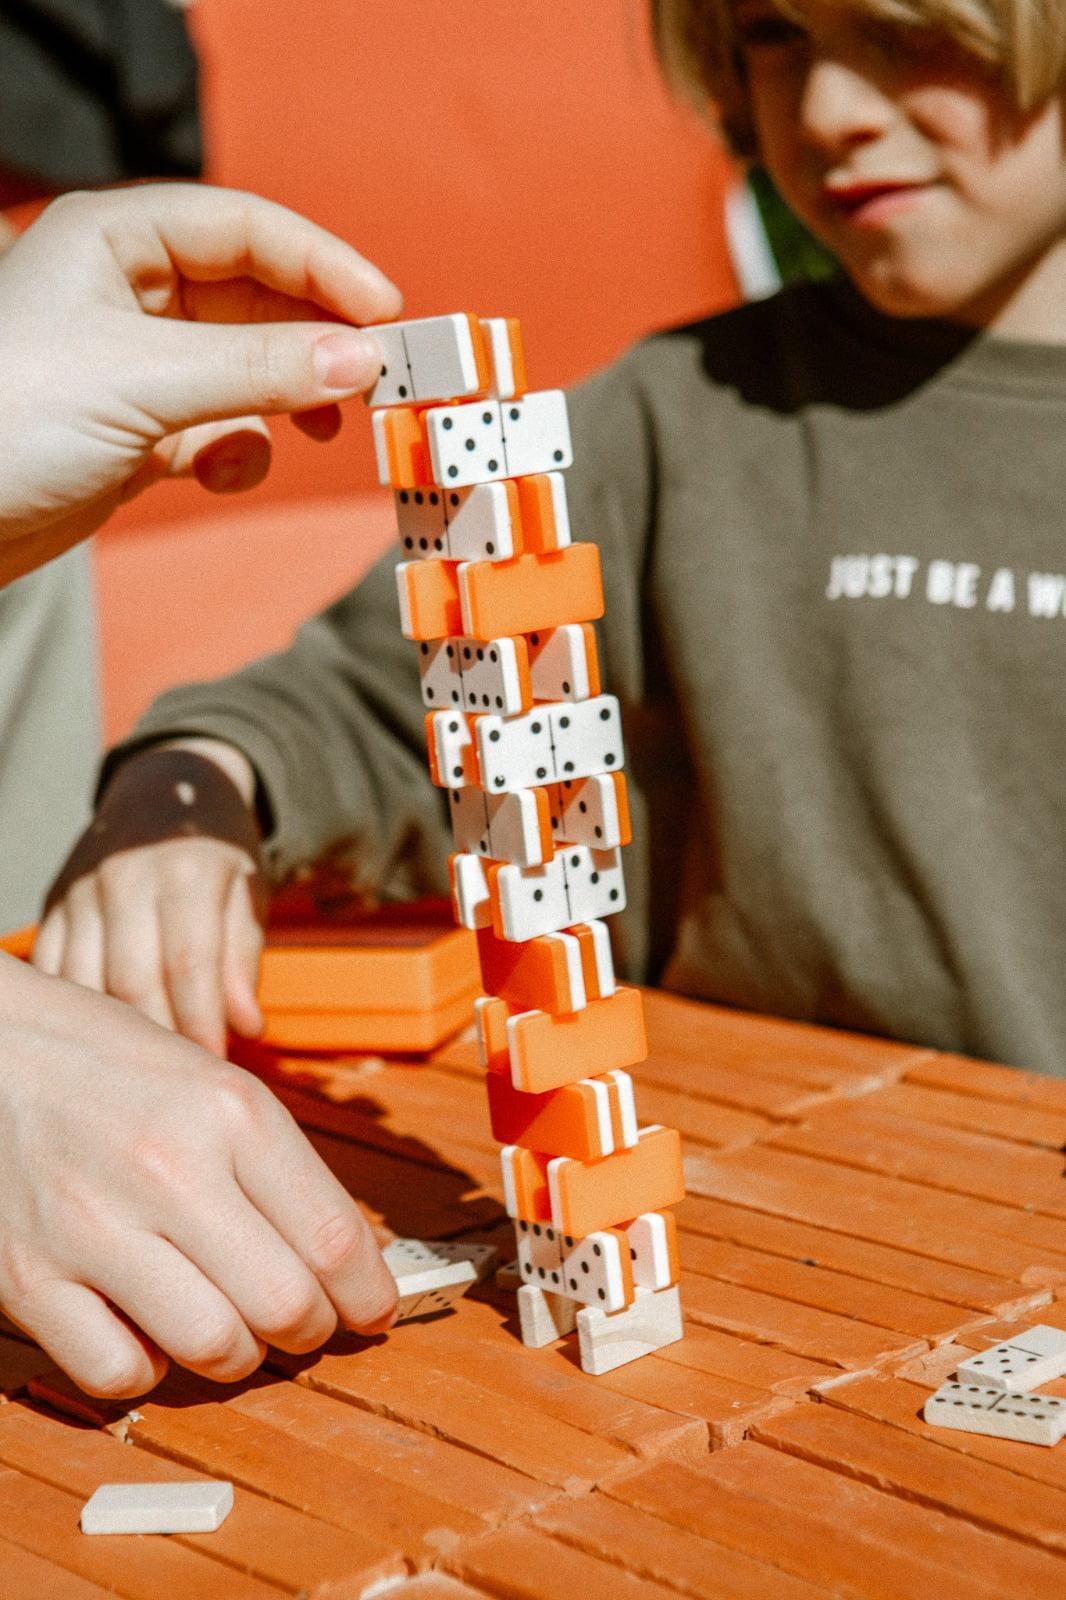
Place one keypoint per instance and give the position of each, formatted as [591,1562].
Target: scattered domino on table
[157,1508]
[1036,1356]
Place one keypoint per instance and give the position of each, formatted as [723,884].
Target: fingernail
[348,359]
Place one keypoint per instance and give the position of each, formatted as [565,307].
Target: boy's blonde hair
[1022,40]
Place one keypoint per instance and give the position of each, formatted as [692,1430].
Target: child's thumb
[200,372]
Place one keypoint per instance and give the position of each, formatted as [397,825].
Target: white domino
[428,358]
[586,811]
[394,387]
[536,433]
[422,524]
[157,1508]
[544,1316]
[595,882]
[470,892]
[653,1250]
[515,832]
[976,1408]
[454,749]
[606,1340]
[466,443]
[559,662]
[482,522]
[515,752]
[468,810]
[1029,1359]
[531,901]
[442,358]
[540,1254]
[431,1277]
[495,675]
[560,509]
[441,673]
[586,737]
[596,1270]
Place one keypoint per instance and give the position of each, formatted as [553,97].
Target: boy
[830,528]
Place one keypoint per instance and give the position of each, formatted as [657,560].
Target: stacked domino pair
[501,600]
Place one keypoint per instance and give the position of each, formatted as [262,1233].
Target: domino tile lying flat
[261,1538]
[157,1507]
[1033,1357]
[972,1408]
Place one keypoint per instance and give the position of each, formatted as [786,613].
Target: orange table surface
[859,1214]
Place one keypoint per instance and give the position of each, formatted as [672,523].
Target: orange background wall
[510,159]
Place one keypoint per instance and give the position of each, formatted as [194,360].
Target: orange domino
[586,1197]
[530,592]
[542,974]
[525,1184]
[579,1120]
[490,1018]
[541,531]
[429,599]
[401,448]
[546,1052]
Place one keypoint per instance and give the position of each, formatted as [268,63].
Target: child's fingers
[133,963]
[242,948]
[83,949]
[50,943]
[192,906]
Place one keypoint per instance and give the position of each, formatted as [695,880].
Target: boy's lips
[870,202]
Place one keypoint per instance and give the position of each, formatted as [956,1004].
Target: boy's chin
[911,294]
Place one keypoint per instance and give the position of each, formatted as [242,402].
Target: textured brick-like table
[860,1216]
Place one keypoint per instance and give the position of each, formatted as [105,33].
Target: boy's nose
[841,107]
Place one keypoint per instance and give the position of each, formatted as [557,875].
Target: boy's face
[904,156]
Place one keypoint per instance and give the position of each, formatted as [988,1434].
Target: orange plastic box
[404,978]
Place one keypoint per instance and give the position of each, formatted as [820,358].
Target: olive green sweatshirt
[835,571]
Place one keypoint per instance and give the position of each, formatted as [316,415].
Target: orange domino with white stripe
[401,448]
[546,1052]
[582,1120]
[588,1196]
[653,1250]
[543,974]
[544,513]
[531,592]
[525,1184]
[428,592]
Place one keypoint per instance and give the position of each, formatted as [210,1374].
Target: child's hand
[131,318]
[160,901]
[158,1202]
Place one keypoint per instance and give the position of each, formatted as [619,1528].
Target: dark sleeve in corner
[334,725]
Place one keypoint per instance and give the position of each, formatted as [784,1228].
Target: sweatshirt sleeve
[334,725]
